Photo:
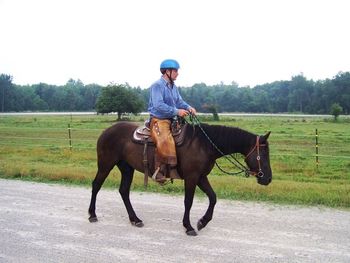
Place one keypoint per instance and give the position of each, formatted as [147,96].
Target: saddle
[142,135]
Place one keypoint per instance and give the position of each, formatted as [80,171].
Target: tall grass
[37,148]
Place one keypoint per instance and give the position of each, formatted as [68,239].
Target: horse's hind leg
[205,186]
[101,175]
[127,176]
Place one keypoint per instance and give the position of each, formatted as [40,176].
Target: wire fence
[307,146]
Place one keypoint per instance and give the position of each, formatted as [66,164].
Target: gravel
[49,223]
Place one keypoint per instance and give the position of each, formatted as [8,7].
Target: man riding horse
[165,103]
[195,158]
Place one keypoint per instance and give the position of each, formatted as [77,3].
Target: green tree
[26,99]
[90,94]
[342,87]
[46,93]
[120,99]
[299,94]
[336,109]
[212,109]
[5,86]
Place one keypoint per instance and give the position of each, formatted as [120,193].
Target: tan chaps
[165,145]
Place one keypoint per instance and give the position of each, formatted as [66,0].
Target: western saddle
[142,135]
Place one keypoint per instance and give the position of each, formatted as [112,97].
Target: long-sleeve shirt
[165,100]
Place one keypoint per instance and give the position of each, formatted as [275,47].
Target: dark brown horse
[196,158]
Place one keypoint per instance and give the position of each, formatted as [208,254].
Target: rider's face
[173,73]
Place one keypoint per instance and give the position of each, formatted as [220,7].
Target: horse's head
[258,160]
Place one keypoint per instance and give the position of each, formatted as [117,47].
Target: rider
[165,103]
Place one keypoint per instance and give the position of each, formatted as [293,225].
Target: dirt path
[48,223]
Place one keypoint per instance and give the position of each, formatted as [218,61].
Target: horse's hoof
[137,224]
[191,233]
[200,225]
[93,219]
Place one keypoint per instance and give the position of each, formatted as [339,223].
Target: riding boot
[158,176]
[160,171]
[173,174]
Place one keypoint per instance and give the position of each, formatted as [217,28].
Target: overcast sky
[102,41]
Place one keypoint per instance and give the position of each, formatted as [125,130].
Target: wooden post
[70,137]
[317,149]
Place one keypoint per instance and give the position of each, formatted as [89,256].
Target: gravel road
[49,223]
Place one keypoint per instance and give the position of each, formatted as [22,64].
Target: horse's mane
[222,132]
[226,138]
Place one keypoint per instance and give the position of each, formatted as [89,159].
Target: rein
[231,158]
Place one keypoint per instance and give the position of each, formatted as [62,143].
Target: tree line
[296,95]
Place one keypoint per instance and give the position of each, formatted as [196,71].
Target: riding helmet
[169,64]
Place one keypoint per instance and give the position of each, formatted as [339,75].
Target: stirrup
[154,176]
[161,181]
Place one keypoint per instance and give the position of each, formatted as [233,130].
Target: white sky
[102,41]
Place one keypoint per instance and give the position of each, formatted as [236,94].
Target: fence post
[316,149]
[69,136]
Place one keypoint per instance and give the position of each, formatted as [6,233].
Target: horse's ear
[266,136]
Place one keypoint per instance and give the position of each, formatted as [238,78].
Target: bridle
[256,148]
[233,160]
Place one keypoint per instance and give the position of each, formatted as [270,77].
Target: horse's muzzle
[264,181]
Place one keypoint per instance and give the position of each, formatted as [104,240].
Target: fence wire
[302,149]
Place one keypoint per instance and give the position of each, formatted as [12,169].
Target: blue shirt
[164,100]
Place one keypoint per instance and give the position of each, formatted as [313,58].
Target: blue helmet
[169,64]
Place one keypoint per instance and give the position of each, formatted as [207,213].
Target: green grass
[37,148]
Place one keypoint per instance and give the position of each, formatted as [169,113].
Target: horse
[202,145]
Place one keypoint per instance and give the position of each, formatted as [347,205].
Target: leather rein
[232,159]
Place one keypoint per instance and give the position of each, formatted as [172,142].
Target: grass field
[37,148]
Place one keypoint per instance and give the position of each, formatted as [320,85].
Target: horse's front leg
[190,187]
[124,189]
[205,186]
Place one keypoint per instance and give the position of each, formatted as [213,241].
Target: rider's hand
[182,113]
[192,111]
